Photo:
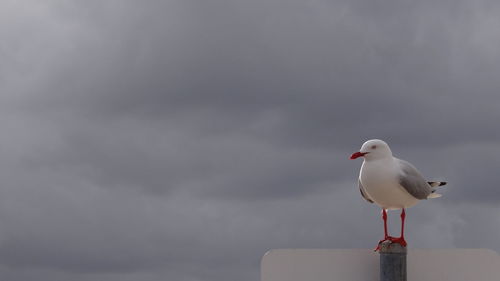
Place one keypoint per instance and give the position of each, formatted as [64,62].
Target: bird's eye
[374,147]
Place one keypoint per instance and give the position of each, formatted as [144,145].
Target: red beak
[358,154]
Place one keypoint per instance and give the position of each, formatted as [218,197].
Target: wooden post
[392,262]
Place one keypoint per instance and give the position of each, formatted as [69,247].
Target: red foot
[400,240]
[382,241]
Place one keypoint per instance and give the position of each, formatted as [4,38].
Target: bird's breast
[381,182]
[377,172]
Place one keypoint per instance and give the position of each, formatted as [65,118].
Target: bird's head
[373,150]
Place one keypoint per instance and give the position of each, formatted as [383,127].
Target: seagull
[391,183]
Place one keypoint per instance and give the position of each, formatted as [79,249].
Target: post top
[388,247]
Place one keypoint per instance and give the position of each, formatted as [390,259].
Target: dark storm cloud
[361,66]
[183,139]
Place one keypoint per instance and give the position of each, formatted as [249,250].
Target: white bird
[391,183]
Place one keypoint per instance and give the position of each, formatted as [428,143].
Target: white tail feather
[434,195]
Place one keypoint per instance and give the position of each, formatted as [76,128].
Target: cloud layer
[181,140]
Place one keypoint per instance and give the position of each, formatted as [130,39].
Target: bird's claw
[399,240]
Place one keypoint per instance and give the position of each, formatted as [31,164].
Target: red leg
[401,240]
[403,216]
[386,234]
[384,217]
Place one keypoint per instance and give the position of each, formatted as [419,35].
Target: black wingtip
[440,183]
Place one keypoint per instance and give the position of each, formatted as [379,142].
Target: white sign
[363,265]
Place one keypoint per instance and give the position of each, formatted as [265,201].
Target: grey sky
[180,140]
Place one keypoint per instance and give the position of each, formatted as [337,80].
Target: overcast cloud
[181,140]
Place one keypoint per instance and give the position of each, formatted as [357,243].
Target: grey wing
[363,192]
[412,181]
